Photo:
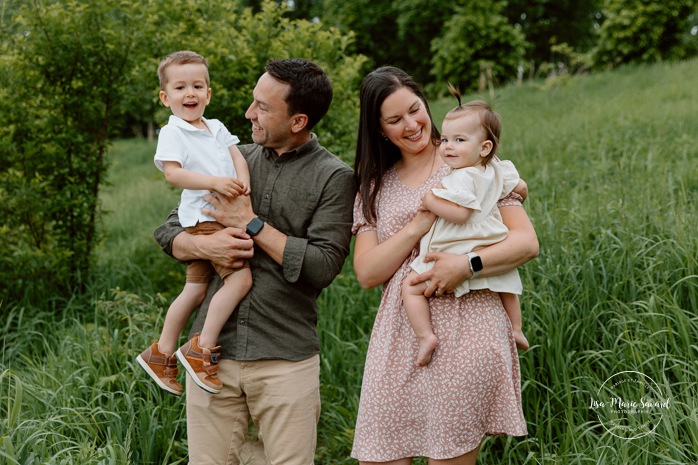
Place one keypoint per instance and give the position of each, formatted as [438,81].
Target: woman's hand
[376,262]
[448,272]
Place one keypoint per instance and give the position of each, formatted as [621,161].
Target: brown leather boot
[201,364]
[161,368]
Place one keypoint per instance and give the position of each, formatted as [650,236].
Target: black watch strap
[254,226]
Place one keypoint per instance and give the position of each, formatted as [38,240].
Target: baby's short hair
[183,57]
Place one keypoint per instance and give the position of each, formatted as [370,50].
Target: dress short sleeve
[510,176]
[361,224]
[511,200]
[459,188]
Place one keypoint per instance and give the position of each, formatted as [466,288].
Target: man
[298,217]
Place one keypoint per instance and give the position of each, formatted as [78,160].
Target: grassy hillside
[612,168]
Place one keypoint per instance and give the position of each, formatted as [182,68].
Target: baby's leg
[178,314]
[417,308]
[513,309]
[223,304]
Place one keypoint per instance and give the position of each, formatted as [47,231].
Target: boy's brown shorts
[203,271]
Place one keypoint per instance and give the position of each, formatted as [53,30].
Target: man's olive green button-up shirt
[307,194]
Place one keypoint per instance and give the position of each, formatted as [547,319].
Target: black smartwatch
[475,264]
[254,226]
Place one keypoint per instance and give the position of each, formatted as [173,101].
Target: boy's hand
[230,187]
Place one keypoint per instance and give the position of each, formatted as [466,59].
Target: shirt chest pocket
[297,204]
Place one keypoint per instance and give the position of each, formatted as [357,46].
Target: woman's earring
[385,138]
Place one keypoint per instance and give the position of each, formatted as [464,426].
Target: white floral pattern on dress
[471,388]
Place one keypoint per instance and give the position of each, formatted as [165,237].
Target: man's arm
[317,258]
[229,247]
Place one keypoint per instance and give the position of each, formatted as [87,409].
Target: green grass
[612,168]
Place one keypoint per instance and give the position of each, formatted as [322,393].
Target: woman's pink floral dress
[471,388]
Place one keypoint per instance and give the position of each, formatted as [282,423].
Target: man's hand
[229,247]
[232,212]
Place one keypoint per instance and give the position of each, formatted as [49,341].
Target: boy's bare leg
[223,304]
[178,314]
[417,308]
[513,309]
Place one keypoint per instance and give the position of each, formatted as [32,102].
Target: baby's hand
[228,186]
[427,200]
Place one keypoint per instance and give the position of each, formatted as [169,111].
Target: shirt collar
[299,151]
[179,122]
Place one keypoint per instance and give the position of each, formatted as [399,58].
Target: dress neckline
[393,172]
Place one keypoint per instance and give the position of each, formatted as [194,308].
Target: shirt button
[243,322]
[266,196]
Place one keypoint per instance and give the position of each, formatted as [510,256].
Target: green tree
[547,23]
[375,24]
[416,30]
[66,62]
[645,31]
[477,41]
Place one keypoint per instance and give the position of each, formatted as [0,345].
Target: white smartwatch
[475,264]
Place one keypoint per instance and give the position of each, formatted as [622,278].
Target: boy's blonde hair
[490,121]
[183,57]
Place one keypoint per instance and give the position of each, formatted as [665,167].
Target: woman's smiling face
[405,121]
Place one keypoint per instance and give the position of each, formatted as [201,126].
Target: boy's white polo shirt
[199,151]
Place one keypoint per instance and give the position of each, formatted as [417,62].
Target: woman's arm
[520,246]
[376,262]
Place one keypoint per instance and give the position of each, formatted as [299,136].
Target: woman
[471,387]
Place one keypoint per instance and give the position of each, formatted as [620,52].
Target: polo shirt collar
[180,123]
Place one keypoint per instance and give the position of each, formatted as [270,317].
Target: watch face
[254,227]
[476,263]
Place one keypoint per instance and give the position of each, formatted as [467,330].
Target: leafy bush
[644,31]
[477,41]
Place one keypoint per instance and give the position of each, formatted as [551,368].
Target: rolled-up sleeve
[318,258]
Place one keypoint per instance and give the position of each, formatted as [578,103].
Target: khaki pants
[282,398]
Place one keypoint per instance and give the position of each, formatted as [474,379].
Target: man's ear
[299,122]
